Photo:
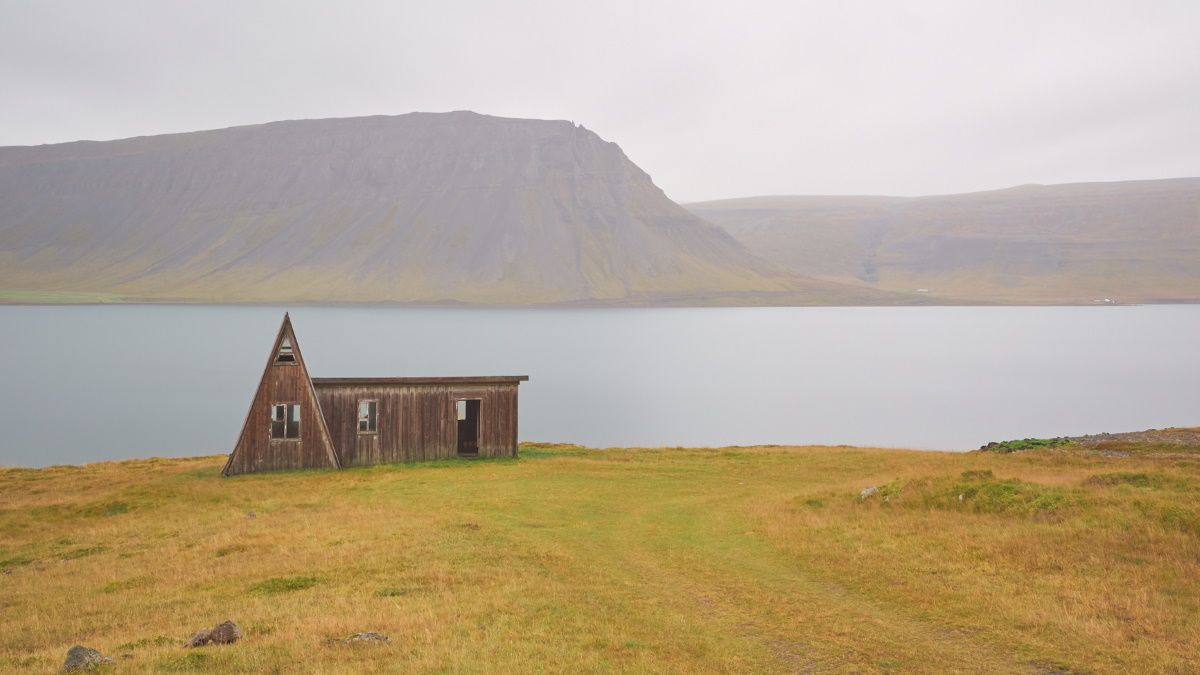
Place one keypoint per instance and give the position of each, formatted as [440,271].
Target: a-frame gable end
[285,380]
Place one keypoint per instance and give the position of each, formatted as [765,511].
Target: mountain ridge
[1073,243]
[416,208]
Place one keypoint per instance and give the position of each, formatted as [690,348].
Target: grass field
[663,560]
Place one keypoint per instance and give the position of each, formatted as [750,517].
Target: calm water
[81,384]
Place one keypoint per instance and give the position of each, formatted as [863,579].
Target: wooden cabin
[300,422]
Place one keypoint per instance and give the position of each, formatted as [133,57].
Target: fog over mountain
[451,207]
[1134,241]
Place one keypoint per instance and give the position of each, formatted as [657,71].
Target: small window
[286,354]
[368,420]
[285,421]
[461,409]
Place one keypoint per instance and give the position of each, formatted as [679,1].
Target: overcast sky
[713,100]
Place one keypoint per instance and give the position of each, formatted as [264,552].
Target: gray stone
[867,492]
[368,636]
[83,658]
[224,633]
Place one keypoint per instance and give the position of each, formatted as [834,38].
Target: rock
[368,636]
[225,633]
[83,658]
[867,492]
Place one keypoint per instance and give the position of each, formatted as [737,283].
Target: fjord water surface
[88,383]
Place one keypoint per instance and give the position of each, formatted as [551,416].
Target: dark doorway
[468,427]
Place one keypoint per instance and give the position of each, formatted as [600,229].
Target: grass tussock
[975,492]
[630,560]
[284,585]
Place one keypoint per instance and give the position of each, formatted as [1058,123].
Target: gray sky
[712,99]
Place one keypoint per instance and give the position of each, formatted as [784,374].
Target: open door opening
[468,427]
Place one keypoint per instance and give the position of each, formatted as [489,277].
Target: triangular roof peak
[284,365]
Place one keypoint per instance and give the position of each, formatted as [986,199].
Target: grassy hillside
[1135,241]
[666,560]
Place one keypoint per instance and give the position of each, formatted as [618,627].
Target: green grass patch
[81,552]
[105,509]
[128,584]
[1139,480]
[186,663]
[22,297]
[976,492]
[284,585]
[1025,444]
[1180,518]
[546,450]
[15,561]
[156,641]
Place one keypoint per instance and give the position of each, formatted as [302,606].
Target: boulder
[83,658]
[867,492]
[224,633]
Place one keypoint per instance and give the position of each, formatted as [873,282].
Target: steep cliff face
[418,207]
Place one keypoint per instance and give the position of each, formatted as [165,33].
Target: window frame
[371,418]
[291,353]
[287,406]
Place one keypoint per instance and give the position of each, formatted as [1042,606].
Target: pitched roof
[369,381]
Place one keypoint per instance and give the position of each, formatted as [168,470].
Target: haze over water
[88,383]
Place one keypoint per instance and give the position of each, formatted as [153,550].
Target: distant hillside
[455,207]
[1133,241]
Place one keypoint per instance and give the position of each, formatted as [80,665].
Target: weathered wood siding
[282,383]
[417,421]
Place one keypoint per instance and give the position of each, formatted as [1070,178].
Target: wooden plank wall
[257,451]
[417,422]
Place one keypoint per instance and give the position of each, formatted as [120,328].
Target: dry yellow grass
[664,560]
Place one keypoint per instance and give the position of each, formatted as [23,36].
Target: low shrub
[1025,444]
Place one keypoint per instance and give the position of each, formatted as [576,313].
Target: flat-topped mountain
[422,207]
[1136,241]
